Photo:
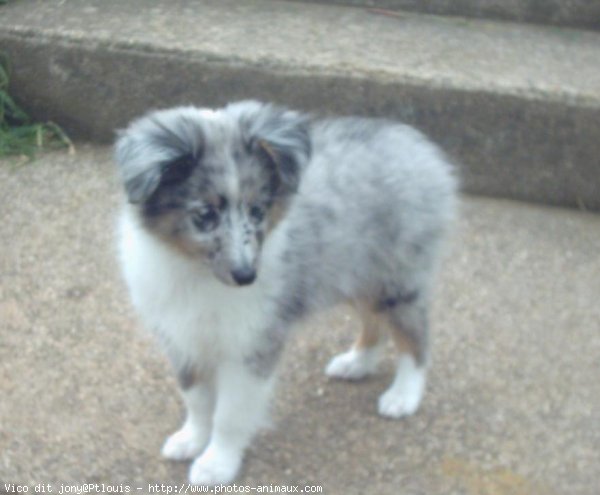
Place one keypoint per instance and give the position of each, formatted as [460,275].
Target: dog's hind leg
[364,356]
[408,323]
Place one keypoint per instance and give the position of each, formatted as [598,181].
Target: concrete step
[517,105]
[576,13]
[513,400]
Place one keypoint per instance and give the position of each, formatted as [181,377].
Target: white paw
[214,468]
[184,444]
[353,365]
[405,394]
[394,404]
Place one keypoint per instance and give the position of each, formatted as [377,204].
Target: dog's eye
[206,219]
[257,214]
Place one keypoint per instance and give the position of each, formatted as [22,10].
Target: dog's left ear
[281,135]
[287,164]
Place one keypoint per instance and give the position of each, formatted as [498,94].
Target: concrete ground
[513,406]
[578,13]
[518,105]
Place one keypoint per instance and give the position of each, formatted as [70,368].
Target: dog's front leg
[192,437]
[242,402]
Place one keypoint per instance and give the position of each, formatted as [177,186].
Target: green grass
[19,135]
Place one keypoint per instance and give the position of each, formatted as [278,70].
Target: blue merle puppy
[242,221]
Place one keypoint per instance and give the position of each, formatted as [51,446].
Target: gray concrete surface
[513,406]
[578,13]
[518,105]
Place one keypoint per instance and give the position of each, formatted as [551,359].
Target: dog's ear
[281,135]
[286,164]
[140,178]
[159,148]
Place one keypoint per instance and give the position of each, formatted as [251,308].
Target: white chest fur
[183,303]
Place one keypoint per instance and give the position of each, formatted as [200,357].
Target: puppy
[243,220]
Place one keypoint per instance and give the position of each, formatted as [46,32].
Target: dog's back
[371,210]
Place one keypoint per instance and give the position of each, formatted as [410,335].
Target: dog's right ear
[159,148]
[140,178]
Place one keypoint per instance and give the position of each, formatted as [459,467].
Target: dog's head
[213,182]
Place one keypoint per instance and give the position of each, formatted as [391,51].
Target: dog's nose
[243,276]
